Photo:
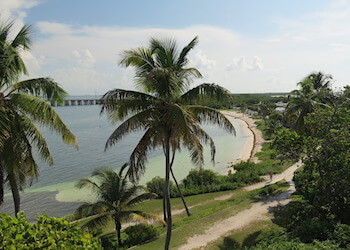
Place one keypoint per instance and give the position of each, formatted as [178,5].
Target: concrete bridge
[78,102]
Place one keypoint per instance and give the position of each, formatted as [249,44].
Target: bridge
[77,102]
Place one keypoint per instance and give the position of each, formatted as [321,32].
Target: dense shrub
[341,235]
[198,178]
[284,243]
[156,185]
[47,233]
[140,233]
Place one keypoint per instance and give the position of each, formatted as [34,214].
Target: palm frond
[22,39]
[137,122]
[35,136]
[143,217]
[138,158]
[182,60]
[45,87]
[213,116]
[98,221]
[87,183]
[42,112]
[141,198]
[141,58]
[206,91]
[120,103]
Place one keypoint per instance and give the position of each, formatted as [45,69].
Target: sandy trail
[256,212]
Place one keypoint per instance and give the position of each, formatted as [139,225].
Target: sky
[245,46]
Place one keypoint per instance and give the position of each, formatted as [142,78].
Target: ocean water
[54,192]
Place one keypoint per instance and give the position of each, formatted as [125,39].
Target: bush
[140,233]
[47,233]
[341,235]
[156,185]
[284,242]
[197,178]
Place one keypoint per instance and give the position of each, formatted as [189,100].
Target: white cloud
[16,10]
[242,64]
[84,58]
[201,61]
[54,28]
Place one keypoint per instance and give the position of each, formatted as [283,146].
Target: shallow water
[56,184]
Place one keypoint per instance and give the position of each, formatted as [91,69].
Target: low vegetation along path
[256,212]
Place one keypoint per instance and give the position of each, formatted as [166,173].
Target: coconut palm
[163,110]
[320,81]
[115,199]
[23,110]
[304,101]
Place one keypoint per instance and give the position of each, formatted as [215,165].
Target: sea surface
[54,193]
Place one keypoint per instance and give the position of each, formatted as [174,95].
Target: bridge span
[77,102]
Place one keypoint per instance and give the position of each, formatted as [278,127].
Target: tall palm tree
[22,109]
[304,101]
[115,198]
[163,109]
[320,81]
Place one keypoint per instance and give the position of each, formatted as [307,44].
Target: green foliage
[139,234]
[21,111]
[305,223]
[285,243]
[116,197]
[289,143]
[47,233]
[324,181]
[200,178]
[156,186]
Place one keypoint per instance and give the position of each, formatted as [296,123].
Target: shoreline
[255,141]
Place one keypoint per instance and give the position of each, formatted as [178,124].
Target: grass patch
[269,162]
[245,237]
[211,212]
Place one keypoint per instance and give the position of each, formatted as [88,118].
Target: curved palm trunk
[182,197]
[15,191]
[164,206]
[177,186]
[118,228]
[167,193]
[1,184]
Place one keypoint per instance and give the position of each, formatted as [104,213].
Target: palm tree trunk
[177,186]
[182,197]
[15,192]
[164,206]
[118,228]
[1,184]
[167,194]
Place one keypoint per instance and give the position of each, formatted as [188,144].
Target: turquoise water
[92,131]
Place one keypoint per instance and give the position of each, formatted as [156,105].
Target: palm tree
[264,109]
[304,101]
[163,109]
[22,109]
[320,81]
[115,198]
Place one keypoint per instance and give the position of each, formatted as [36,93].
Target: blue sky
[253,18]
[246,46]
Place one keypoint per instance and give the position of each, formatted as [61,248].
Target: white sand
[254,143]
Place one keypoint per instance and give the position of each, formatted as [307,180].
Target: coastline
[255,141]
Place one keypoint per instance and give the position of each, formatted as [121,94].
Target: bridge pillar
[66,103]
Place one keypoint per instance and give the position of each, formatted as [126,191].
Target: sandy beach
[255,141]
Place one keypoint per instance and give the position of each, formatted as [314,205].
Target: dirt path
[256,212]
